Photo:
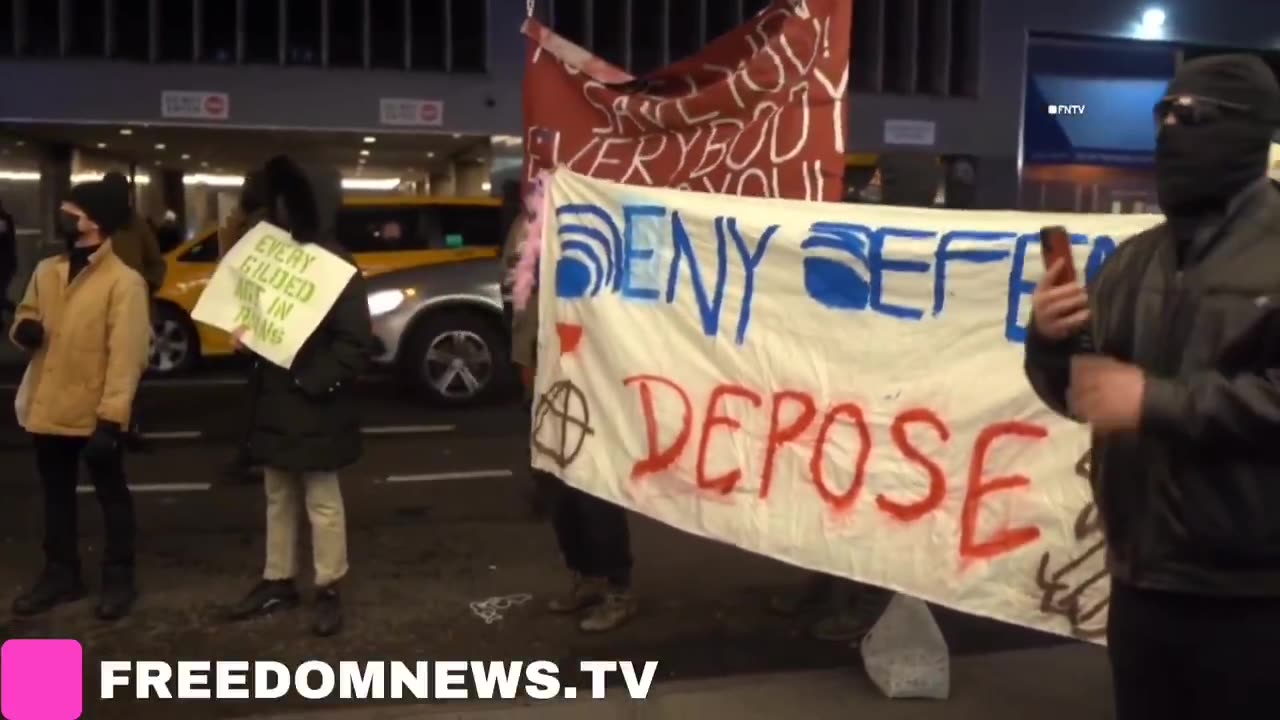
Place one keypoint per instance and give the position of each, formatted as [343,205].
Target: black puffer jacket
[1191,502]
[306,418]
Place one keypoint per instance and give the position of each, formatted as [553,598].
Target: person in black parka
[304,424]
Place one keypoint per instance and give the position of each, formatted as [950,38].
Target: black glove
[29,334]
[104,443]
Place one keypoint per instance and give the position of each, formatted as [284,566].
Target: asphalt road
[439,520]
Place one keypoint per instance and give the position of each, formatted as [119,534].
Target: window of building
[42,30]
[867,64]
[684,25]
[303,32]
[721,18]
[262,31]
[899,37]
[966,22]
[933,43]
[454,226]
[175,42]
[6,27]
[131,20]
[428,36]
[387,32]
[571,20]
[646,34]
[470,29]
[609,32]
[346,33]
[374,230]
[218,28]
[88,25]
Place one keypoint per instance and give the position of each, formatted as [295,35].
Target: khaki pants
[327,518]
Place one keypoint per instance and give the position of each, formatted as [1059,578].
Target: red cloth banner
[761,111]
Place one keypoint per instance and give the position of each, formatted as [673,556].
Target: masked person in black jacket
[304,425]
[1172,357]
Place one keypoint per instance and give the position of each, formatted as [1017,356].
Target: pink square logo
[41,680]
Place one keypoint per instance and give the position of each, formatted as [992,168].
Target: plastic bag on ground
[905,654]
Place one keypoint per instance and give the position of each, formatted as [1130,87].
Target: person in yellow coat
[84,325]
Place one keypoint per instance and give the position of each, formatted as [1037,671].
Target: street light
[1151,26]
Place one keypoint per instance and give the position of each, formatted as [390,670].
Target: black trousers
[58,463]
[593,534]
[1180,657]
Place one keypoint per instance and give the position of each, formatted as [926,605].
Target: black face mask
[1200,168]
[68,228]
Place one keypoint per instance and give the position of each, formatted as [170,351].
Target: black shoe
[328,619]
[55,586]
[118,594]
[265,598]
[134,442]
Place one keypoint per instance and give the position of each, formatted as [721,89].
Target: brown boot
[618,607]
[584,593]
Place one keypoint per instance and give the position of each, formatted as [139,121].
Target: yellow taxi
[384,234]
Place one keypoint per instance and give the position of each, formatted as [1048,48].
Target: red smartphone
[1055,244]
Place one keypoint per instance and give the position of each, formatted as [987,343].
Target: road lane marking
[161,383]
[155,488]
[173,435]
[407,429]
[460,475]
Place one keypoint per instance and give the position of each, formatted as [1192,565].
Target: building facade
[955,67]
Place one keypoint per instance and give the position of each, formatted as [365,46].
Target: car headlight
[385,301]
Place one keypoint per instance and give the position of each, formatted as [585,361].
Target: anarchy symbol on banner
[563,414]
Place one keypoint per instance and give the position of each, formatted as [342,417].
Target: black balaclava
[1199,168]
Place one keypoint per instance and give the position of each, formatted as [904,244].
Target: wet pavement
[440,520]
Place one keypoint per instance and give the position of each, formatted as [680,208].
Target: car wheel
[455,358]
[175,344]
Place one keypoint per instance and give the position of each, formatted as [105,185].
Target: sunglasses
[1192,110]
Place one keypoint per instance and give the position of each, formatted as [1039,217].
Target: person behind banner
[304,424]
[904,180]
[84,324]
[248,212]
[593,535]
[1170,356]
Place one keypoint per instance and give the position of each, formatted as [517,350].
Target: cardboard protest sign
[836,386]
[273,292]
[759,111]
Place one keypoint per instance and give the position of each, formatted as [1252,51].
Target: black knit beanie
[102,204]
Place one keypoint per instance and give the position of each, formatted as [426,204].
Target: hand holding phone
[1055,246]
[1060,306]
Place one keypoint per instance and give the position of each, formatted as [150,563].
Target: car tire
[456,358]
[175,343]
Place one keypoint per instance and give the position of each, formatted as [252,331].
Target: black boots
[270,596]
[266,597]
[328,612]
[118,593]
[56,586]
[59,585]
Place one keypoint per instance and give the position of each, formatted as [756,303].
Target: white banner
[272,292]
[836,386]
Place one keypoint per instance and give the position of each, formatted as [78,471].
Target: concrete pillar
[472,179]
[202,208]
[55,183]
[443,184]
[174,194]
